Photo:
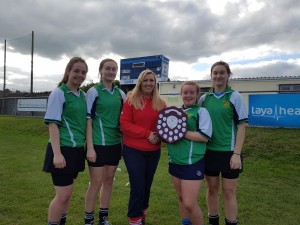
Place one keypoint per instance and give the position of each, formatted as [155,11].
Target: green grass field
[268,192]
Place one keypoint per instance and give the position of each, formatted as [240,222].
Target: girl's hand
[91,155]
[59,161]
[235,161]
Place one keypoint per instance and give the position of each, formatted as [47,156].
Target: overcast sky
[257,38]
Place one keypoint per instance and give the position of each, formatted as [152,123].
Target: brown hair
[69,66]
[221,63]
[103,62]
[136,97]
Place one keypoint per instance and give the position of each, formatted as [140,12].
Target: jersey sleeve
[201,100]
[239,106]
[90,98]
[204,123]
[55,107]
[123,95]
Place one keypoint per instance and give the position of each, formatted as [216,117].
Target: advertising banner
[274,110]
[32,105]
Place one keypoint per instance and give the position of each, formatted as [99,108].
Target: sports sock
[185,221]
[103,215]
[53,223]
[228,222]
[63,219]
[213,220]
[89,218]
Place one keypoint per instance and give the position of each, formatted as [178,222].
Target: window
[138,65]
[289,88]
[204,89]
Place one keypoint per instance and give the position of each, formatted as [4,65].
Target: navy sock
[103,215]
[228,222]
[213,220]
[53,223]
[89,218]
[63,219]
[185,221]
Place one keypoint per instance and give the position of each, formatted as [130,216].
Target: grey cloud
[184,31]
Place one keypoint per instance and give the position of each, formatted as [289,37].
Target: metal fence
[9,106]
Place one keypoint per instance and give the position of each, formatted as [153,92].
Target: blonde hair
[191,83]
[136,96]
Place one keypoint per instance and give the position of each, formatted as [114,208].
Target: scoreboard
[132,67]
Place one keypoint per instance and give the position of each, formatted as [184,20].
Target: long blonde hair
[136,96]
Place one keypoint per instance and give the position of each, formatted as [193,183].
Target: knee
[96,183]
[229,193]
[212,190]
[189,205]
[63,199]
[180,198]
[108,180]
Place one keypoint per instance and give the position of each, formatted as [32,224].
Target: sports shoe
[105,223]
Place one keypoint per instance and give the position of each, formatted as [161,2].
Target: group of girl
[102,125]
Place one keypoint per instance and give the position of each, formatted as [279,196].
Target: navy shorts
[218,162]
[107,155]
[62,180]
[188,172]
[75,160]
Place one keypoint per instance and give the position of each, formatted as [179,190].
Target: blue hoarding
[275,110]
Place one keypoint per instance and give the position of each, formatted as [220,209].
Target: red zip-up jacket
[136,126]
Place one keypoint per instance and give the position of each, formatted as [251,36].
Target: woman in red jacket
[141,151]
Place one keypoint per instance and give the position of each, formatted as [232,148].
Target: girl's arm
[90,154]
[58,159]
[235,162]
[195,136]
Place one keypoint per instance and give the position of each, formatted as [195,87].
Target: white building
[170,91]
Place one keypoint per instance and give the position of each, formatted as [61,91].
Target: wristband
[236,153]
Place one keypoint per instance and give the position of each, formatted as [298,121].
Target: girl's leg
[96,176]
[230,203]
[190,191]
[212,198]
[106,191]
[183,213]
[60,202]
[107,184]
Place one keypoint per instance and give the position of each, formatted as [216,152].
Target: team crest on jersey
[226,104]
[199,174]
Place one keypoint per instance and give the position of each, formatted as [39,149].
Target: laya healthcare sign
[275,110]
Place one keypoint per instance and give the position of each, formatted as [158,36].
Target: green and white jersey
[226,111]
[68,111]
[187,152]
[104,108]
